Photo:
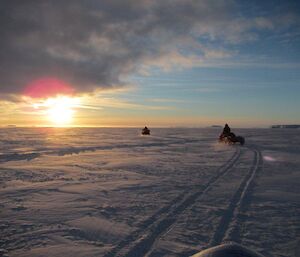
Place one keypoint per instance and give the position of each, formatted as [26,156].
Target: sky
[148,62]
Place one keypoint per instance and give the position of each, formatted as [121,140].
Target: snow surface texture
[112,192]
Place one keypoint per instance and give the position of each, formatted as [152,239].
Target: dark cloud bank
[93,44]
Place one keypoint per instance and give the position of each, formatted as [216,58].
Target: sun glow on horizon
[60,110]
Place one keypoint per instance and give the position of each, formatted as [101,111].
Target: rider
[227,132]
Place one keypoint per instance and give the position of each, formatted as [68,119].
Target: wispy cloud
[166,100]
[123,104]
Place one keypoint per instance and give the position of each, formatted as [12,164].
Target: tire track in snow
[233,233]
[228,228]
[140,242]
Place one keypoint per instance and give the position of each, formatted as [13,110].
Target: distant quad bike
[146,131]
[231,139]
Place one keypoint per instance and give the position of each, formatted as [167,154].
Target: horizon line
[136,126]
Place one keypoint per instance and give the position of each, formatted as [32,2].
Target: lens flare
[269,158]
[47,87]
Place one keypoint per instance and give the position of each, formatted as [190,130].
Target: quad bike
[146,131]
[231,139]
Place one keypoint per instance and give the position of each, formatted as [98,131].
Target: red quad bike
[231,139]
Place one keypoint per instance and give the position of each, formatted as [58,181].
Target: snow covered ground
[111,192]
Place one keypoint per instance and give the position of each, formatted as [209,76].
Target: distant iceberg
[294,126]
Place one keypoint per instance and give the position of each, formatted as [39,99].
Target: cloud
[117,103]
[96,44]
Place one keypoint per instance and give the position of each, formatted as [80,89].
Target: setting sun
[60,110]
